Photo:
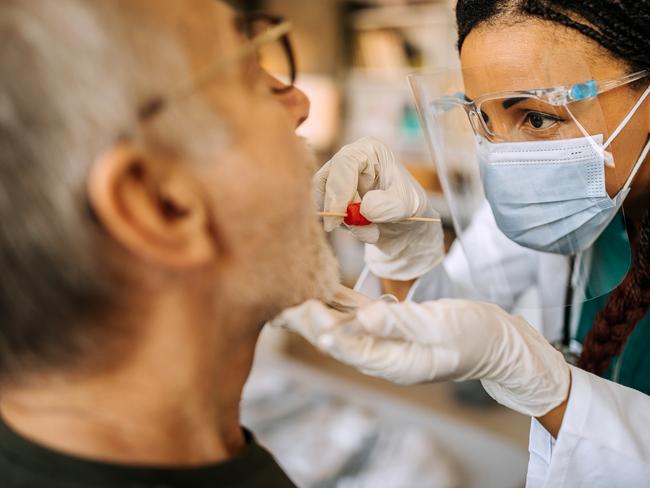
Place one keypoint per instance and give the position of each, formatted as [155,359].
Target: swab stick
[356,218]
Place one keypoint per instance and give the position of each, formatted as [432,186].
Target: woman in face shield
[557,97]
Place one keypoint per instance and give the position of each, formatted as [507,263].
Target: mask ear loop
[637,167]
[608,157]
[646,150]
[627,118]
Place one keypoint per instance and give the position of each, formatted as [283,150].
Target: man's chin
[320,280]
[326,279]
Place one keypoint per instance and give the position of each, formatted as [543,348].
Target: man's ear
[152,206]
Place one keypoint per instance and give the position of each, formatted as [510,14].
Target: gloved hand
[456,340]
[367,171]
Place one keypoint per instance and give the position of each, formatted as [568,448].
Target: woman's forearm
[552,421]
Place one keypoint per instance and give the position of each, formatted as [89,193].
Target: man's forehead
[212,9]
[204,29]
[207,24]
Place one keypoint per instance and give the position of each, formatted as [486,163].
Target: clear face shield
[537,156]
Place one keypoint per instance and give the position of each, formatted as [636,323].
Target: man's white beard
[322,275]
[295,264]
[326,271]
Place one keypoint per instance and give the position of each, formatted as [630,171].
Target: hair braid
[627,305]
[637,11]
[616,18]
[610,26]
[623,28]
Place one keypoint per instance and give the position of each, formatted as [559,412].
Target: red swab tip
[354,215]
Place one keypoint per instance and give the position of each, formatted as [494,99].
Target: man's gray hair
[73,75]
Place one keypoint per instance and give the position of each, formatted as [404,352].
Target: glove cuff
[538,398]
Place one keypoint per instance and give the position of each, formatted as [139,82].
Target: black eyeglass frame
[285,41]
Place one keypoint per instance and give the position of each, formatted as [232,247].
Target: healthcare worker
[551,113]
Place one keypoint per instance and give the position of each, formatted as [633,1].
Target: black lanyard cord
[568,305]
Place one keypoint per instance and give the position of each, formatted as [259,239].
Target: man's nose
[297,104]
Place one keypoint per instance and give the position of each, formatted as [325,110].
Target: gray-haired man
[154,213]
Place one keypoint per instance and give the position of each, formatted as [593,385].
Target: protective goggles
[561,112]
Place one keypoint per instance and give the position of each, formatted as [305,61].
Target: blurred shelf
[439,398]
[396,15]
[474,438]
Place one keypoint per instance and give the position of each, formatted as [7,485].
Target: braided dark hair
[625,308]
[623,28]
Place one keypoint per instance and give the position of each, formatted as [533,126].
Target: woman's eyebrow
[511,102]
[508,103]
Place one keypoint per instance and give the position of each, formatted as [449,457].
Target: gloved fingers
[357,168]
[397,361]
[343,337]
[378,163]
[331,195]
[332,332]
[435,323]
[310,319]
[383,206]
[318,186]
[340,187]
[368,234]
[349,301]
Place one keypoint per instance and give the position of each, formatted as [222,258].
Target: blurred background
[327,424]
[353,58]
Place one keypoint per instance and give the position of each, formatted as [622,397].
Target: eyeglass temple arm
[206,75]
[447,102]
[612,84]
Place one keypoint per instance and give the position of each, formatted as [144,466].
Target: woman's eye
[538,120]
[486,117]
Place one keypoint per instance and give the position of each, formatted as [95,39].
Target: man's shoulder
[24,464]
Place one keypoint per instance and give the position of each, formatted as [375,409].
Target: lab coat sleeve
[604,440]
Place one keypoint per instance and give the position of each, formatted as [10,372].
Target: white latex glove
[455,340]
[367,171]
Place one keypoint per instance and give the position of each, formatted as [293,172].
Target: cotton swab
[410,219]
[354,217]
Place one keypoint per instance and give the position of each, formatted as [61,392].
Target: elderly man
[155,211]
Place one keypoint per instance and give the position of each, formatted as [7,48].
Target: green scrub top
[610,260]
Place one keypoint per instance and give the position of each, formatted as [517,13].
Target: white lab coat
[605,436]
[525,269]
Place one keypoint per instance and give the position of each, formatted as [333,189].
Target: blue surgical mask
[550,195]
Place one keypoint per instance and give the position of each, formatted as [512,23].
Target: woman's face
[539,54]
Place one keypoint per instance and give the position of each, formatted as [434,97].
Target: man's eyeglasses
[275,58]
[268,38]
